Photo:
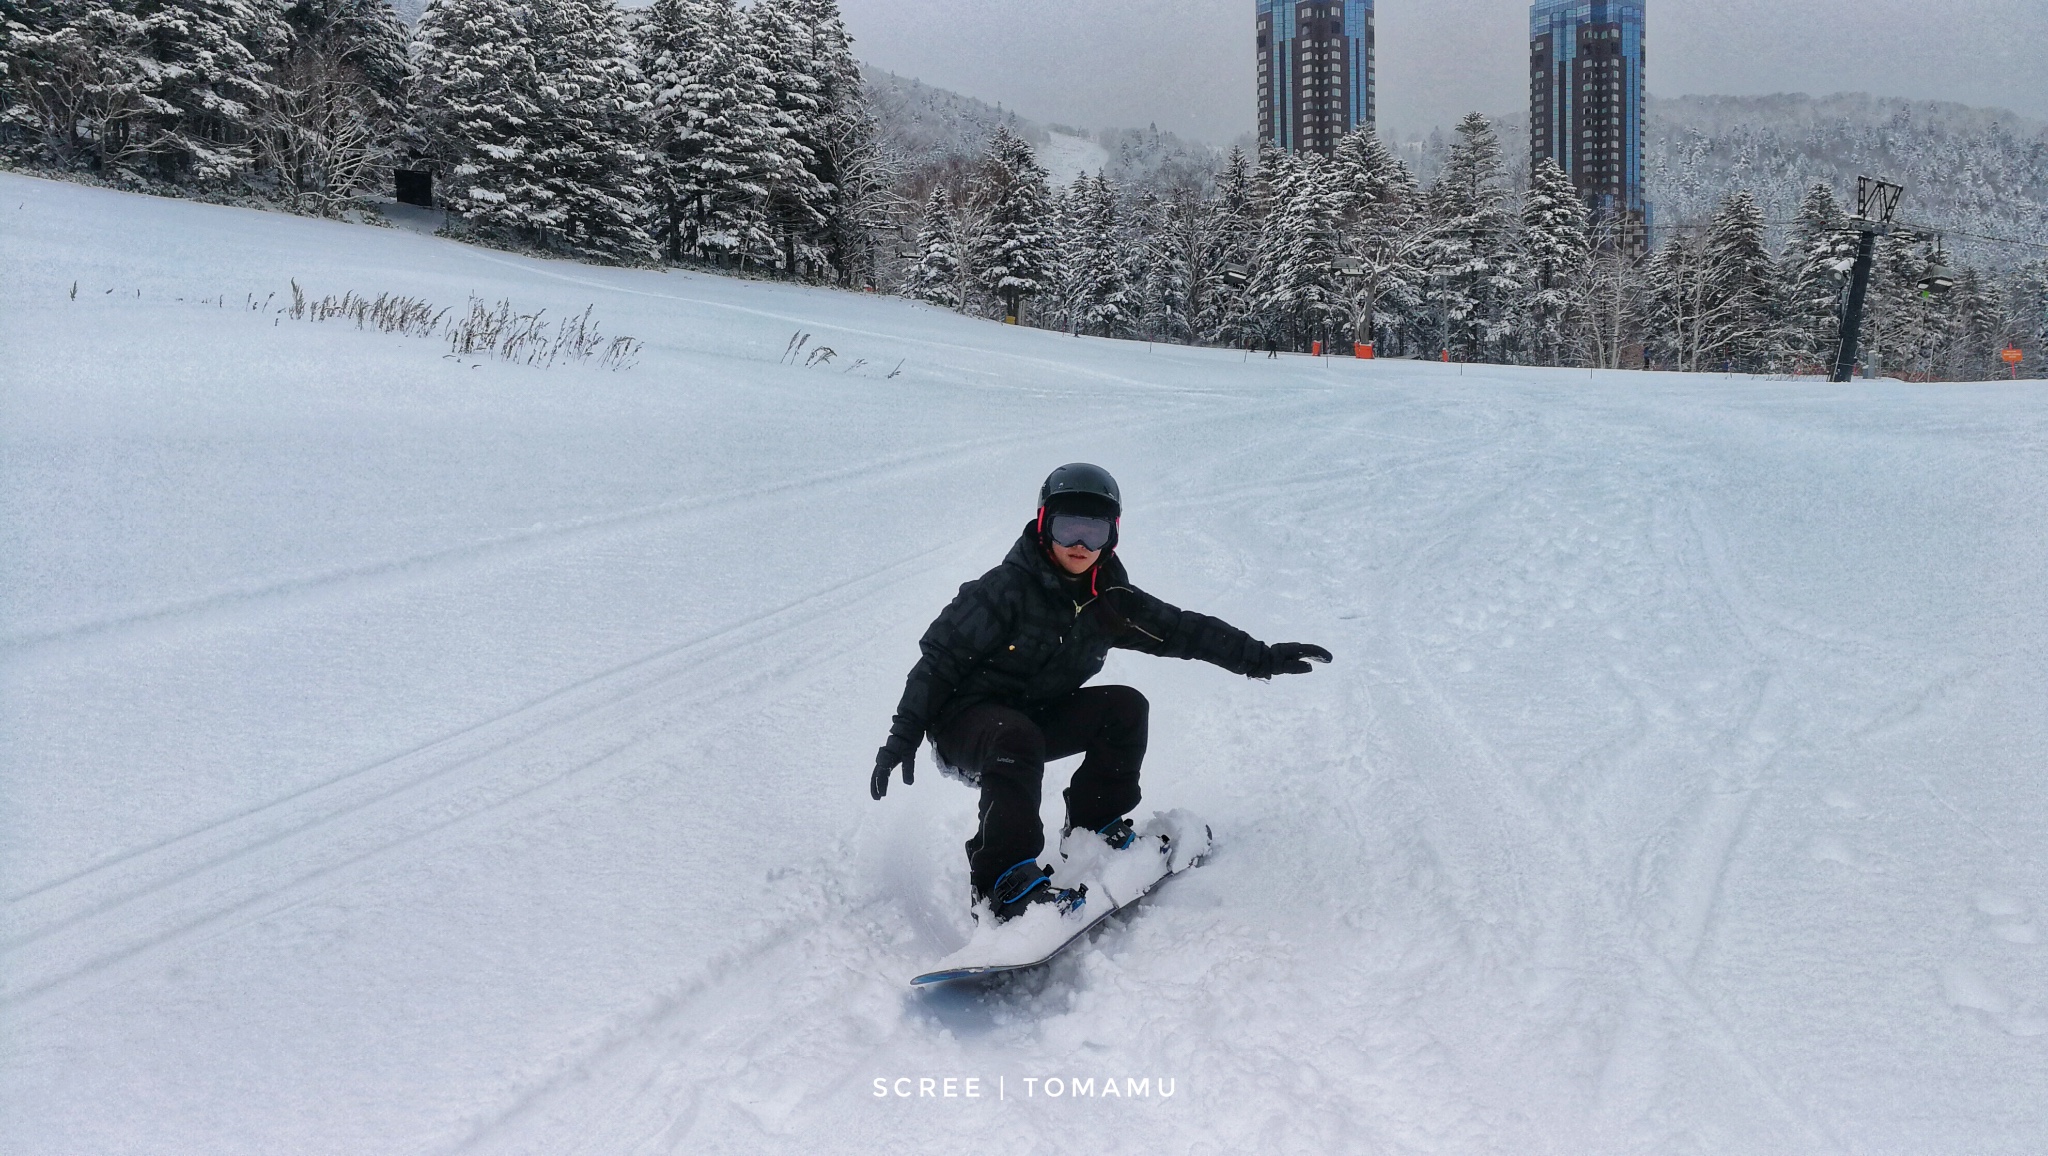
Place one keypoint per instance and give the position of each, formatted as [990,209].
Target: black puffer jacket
[1024,634]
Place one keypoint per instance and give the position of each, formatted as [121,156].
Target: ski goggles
[1080,530]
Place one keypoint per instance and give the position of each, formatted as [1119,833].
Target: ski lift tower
[1876,202]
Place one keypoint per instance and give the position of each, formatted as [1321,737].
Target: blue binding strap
[1104,832]
[996,892]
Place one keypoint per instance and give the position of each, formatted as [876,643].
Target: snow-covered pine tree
[206,69]
[365,36]
[2019,304]
[1557,248]
[670,40]
[1813,271]
[937,276]
[77,82]
[1474,272]
[1712,293]
[1111,304]
[2036,286]
[1264,314]
[1676,293]
[788,46]
[851,163]
[1227,314]
[1383,230]
[714,151]
[1977,322]
[533,110]
[1097,262]
[1303,292]
[1162,282]
[863,174]
[1150,280]
[970,222]
[336,101]
[588,187]
[1059,305]
[1738,318]
[1182,250]
[2030,318]
[469,110]
[1014,251]
[22,23]
[1902,327]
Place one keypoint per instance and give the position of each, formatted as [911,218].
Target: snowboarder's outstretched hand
[888,759]
[1294,657]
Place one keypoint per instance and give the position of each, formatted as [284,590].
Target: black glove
[898,751]
[1292,658]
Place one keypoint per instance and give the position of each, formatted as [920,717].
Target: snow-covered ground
[403,754]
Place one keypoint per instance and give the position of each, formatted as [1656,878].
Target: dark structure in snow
[414,187]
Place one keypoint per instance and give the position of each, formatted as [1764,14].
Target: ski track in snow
[524,759]
[416,566]
[1676,787]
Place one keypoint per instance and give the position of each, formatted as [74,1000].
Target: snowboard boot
[1027,885]
[1118,833]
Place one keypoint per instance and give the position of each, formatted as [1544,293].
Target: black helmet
[1083,481]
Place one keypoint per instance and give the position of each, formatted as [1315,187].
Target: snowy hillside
[936,131]
[1067,158]
[923,123]
[1149,159]
[1976,170]
[417,753]
[1966,170]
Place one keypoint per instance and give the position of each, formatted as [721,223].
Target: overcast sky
[1187,64]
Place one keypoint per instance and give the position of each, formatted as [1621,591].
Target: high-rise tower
[1315,71]
[1586,102]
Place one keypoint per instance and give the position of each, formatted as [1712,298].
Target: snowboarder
[999,689]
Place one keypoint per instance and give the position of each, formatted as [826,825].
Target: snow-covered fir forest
[1487,263]
[1970,170]
[745,137]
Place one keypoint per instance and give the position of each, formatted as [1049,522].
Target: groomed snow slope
[406,755]
[1069,158]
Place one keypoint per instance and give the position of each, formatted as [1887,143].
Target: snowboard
[1168,845]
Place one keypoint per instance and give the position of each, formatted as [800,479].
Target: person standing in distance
[999,689]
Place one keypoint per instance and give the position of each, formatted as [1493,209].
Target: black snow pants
[1009,749]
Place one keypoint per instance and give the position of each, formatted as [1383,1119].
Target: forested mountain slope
[1966,170]
[1971,170]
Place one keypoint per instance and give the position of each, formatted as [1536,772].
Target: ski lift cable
[1998,240]
[1926,230]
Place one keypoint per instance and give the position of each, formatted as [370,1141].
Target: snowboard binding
[1027,885]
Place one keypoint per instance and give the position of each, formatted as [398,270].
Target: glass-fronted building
[1586,102]
[1315,71]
